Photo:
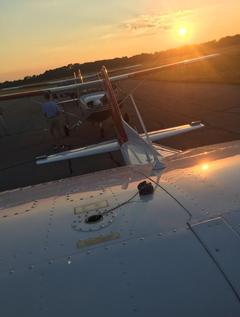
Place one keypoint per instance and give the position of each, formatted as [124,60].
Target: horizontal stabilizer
[91,150]
[167,133]
[113,145]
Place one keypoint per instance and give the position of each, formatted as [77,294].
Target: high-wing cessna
[92,103]
[156,237]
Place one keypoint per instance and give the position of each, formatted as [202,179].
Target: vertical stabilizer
[80,76]
[138,151]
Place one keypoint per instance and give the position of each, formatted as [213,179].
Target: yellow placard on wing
[97,240]
[90,207]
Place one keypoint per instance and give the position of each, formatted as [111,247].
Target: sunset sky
[42,34]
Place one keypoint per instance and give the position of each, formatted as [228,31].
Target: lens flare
[205,167]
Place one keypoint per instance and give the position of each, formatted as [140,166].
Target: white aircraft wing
[99,82]
[68,80]
[91,245]
[130,75]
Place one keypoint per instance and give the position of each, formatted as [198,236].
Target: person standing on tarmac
[51,112]
[3,127]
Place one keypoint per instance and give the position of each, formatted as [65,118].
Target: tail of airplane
[78,76]
[134,148]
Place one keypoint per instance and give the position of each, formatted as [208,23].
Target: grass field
[224,69]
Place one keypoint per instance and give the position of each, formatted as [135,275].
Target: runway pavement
[161,104]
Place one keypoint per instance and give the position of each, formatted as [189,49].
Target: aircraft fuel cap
[145,188]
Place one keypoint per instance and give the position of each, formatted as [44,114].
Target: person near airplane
[52,111]
[3,126]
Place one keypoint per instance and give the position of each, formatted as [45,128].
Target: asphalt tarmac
[161,104]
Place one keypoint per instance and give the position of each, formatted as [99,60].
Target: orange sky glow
[39,35]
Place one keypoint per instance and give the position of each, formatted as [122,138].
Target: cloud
[153,24]
[148,25]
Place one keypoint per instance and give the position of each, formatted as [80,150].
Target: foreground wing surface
[92,245]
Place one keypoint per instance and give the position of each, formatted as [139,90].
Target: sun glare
[182,31]
[205,167]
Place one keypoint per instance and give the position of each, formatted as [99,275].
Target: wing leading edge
[99,82]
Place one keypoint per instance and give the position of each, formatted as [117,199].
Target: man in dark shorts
[51,112]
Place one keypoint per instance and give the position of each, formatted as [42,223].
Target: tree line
[119,62]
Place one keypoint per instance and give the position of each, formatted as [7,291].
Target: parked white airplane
[159,236]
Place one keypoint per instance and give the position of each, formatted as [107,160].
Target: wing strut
[157,161]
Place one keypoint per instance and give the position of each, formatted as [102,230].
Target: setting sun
[205,167]
[182,31]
